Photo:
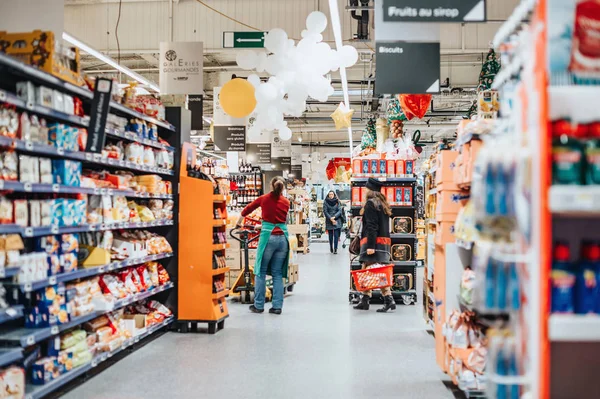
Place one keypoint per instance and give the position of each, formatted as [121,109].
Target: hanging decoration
[369,136]
[297,72]
[342,116]
[237,98]
[394,111]
[339,170]
[415,105]
[489,70]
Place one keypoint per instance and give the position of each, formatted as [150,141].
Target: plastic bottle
[586,291]
[513,286]
[562,280]
[490,184]
[567,153]
[501,286]
[501,370]
[490,284]
[592,155]
[512,370]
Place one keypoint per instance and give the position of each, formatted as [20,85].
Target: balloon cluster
[297,72]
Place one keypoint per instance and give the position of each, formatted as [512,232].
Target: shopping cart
[245,235]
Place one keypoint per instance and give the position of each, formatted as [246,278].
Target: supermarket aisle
[319,348]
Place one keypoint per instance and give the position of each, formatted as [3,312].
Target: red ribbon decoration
[414,105]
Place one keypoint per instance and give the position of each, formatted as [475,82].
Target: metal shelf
[86,157]
[407,179]
[7,185]
[40,391]
[9,356]
[51,230]
[85,272]
[9,98]
[29,336]
[9,272]
[134,137]
[574,328]
[402,236]
[583,201]
[12,313]
[123,110]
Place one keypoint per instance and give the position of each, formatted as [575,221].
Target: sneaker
[254,309]
[275,311]
[335,252]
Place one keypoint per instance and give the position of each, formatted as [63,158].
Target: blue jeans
[334,238]
[275,255]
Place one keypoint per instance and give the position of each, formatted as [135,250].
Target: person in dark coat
[375,242]
[333,212]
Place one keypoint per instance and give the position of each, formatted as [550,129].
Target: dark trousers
[334,238]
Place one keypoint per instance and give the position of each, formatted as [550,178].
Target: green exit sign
[244,39]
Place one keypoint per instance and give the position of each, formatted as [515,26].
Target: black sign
[195,105]
[434,10]
[282,164]
[98,114]
[230,138]
[296,171]
[395,58]
[258,153]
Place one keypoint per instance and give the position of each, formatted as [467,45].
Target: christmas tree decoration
[489,70]
[415,105]
[394,111]
[369,137]
[342,116]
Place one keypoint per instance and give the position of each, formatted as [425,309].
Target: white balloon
[266,93]
[276,41]
[316,22]
[347,56]
[261,63]
[319,88]
[335,61]
[247,59]
[254,80]
[285,134]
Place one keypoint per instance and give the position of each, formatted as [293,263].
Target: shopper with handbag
[333,212]
[272,255]
[375,242]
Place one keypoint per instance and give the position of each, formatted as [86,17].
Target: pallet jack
[244,285]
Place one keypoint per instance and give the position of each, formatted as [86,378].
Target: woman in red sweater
[272,255]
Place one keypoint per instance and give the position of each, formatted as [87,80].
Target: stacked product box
[382,167]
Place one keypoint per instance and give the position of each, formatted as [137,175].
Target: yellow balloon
[237,98]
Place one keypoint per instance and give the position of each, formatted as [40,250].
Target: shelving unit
[198,301]
[12,334]
[407,297]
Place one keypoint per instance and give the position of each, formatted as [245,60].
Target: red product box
[400,168]
[355,195]
[389,194]
[356,167]
[391,168]
[363,195]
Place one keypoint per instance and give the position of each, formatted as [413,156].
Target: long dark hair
[379,200]
[277,185]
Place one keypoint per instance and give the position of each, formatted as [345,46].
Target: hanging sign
[281,148]
[181,67]
[259,153]
[195,103]
[421,58]
[434,10]
[244,39]
[296,171]
[98,115]
[283,164]
[230,138]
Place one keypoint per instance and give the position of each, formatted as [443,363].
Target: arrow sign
[244,39]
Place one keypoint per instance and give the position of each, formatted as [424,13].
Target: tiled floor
[319,348]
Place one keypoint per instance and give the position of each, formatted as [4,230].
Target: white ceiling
[145,23]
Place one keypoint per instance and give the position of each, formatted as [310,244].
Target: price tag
[28,187]
[30,105]
[55,188]
[30,340]
[111,267]
[137,339]
[121,162]
[101,269]
[96,191]
[94,363]
[1,184]
[109,191]
[52,280]
[111,161]
[2,95]
[92,227]
[11,312]
[102,191]
[54,330]
[27,287]
[60,151]
[54,229]
[88,156]
[28,232]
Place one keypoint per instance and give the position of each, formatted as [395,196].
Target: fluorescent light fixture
[299,139]
[102,57]
[337,34]
[211,154]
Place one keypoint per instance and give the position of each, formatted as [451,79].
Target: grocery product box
[233,259]
[444,233]
[134,323]
[446,162]
[448,201]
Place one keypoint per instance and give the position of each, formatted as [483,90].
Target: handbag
[354,247]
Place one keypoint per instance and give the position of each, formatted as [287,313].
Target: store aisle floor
[319,348]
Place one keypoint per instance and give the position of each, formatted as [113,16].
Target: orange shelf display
[219,198]
[197,303]
[219,271]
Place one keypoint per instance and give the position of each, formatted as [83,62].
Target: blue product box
[365,167]
[53,347]
[34,318]
[69,212]
[56,134]
[57,207]
[69,243]
[66,172]
[68,262]
[48,244]
[152,132]
[409,167]
[50,295]
[53,265]
[71,143]
[70,294]
[44,370]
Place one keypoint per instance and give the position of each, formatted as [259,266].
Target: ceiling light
[300,139]
[102,57]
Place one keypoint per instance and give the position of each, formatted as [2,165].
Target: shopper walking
[272,255]
[375,239]
[334,219]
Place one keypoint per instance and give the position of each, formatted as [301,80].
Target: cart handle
[241,233]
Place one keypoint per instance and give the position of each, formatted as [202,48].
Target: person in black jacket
[375,242]
[333,212]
